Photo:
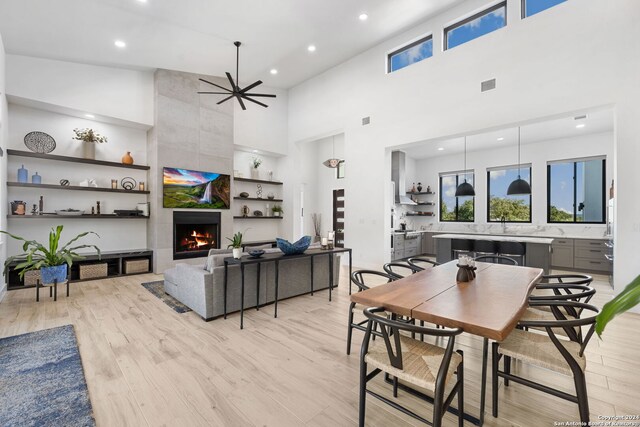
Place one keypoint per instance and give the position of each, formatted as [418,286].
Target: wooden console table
[277,257]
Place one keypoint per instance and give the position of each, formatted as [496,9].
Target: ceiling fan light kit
[241,94]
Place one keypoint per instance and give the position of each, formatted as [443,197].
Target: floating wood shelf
[20,153]
[257,217]
[257,181]
[257,199]
[426,204]
[54,216]
[420,193]
[420,214]
[74,188]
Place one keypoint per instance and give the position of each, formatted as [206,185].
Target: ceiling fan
[236,91]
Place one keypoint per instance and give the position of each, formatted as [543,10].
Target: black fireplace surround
[194,233]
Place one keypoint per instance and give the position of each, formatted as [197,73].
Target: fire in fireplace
[195,233]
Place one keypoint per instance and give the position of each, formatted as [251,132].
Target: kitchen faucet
[503,221]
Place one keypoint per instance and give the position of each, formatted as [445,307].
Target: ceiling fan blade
[256,102]
[233,85]
[251,86]
[260,94]
[215,93]
[225,100]
[221,87]
[240,101]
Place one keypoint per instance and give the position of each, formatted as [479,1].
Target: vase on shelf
[89,150]
[127,159]
[23,174]
[255,173]
[419,187]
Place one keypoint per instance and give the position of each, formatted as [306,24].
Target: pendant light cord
[465,159]
[237,64]
[518,152]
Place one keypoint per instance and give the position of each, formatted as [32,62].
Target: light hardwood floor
[147,365]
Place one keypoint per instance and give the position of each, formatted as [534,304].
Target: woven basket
[31,277]
[133,266]
[93,271]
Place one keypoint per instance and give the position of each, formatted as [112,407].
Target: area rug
[157,289]
[41,380]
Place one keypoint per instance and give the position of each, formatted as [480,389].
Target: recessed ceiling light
[580,126]
[273,71]
[501,139]
[90,116]
[363,17]
[255,151]
[311,48]
[142,1]
[440,148]
[120,44]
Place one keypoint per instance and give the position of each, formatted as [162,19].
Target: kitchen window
[499,204]
[576,191]
[531,7]
[410,54]
[452,208]
[475,26]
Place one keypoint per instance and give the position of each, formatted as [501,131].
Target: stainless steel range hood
[398,167]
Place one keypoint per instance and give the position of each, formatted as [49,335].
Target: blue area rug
[41,380]
[157,289]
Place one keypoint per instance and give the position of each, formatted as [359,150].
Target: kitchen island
[538,249]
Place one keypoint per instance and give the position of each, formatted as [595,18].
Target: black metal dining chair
[496,259]
[549,350]
[400,269]
[421,262]
[362,279]
[414,362]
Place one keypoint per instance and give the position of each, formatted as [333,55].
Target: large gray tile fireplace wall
[190,132]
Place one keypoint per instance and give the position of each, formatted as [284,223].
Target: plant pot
[50,275]
[89,150]
[237,253]
[255,173]
[276,213]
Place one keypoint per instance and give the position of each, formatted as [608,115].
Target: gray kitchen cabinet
[562,256]
[580,254]
[406,245]
[428,244]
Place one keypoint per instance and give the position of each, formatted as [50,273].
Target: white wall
[326,180]
[536,154]
[575,56]
[114,234]
[263,128]
[114,92]
[4,136]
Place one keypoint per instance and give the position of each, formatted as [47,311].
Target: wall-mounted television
[189,189]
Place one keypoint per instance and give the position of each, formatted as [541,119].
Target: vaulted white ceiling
[197,35]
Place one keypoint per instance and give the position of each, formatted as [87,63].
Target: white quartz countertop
[496,238]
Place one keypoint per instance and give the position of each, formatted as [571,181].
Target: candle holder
[141,186]
[114,184]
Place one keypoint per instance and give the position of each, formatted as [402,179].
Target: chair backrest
[571,326]
[390,330]
[461,245]
[511,248]
[496,259]
[416,261]
[487,246]
[363,278]
[400,269]
[565,285]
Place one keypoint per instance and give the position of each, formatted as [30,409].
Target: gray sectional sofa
[202,290]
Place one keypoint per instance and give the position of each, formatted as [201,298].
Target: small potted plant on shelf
[90,138]
[236,245]
[52,261]
[255,173]
[277,210]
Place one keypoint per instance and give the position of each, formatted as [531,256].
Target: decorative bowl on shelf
[244,194]
[70,212]
[298,247]
[256,253]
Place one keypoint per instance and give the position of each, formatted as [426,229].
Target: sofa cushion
[209,264]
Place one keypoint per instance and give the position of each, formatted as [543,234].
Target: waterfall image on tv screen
[184,188]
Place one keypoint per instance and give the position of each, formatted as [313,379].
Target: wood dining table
[489,306]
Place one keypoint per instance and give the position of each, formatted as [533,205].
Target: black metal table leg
[241,296]
[67,288]
[311,258]
[226,267]
[50,291]
[55,290]
[276,302]
[258,290]
[330,275]
[483,385]
[38,290]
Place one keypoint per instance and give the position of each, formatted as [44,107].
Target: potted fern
[236,245]
[53,260]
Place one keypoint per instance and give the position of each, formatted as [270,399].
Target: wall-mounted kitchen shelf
[74,188]
[257,217]
[257,181]
[54,216]
[417,193]
[257,199]
[19,153]
[426,204]
[419,214]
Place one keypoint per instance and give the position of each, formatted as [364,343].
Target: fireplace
[194,233]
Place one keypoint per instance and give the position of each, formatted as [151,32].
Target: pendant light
[465,189]
[332,163]
[519,187]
